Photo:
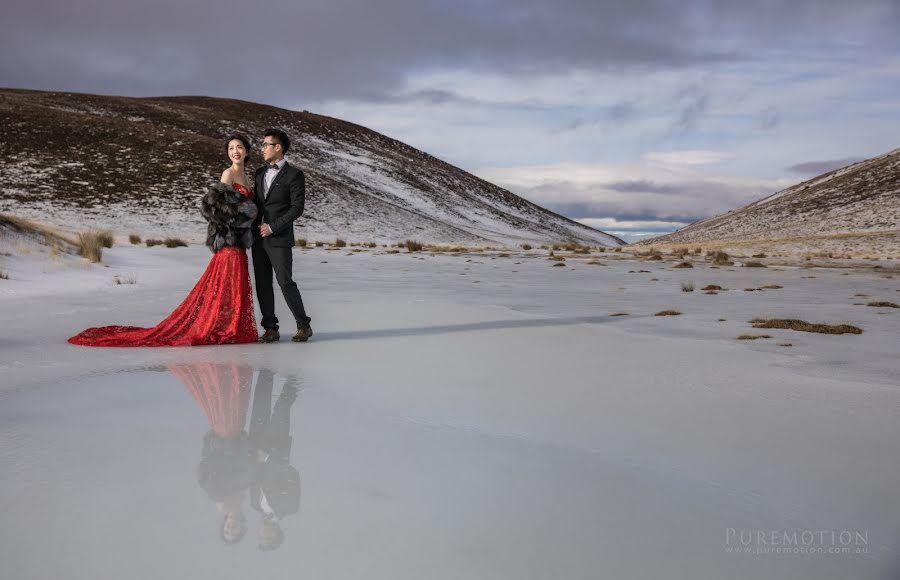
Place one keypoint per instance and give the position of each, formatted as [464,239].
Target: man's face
[271,149]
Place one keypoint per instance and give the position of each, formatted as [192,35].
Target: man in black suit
[280,195]
[275,492]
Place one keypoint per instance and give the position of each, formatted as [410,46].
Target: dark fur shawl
[230,216]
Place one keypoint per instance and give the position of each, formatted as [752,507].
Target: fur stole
[230,216]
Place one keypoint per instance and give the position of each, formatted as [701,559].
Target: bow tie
[272,166]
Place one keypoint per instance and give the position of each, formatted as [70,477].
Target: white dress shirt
[271,172]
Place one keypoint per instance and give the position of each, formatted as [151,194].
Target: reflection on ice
[238,459]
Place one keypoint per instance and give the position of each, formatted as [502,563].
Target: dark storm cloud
[287,51]
[819,167]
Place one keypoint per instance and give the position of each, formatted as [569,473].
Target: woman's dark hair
[242,139]
[282,138]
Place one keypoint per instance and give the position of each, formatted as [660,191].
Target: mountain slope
[853,210]
[141,164]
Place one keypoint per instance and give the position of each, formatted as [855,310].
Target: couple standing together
[241,216]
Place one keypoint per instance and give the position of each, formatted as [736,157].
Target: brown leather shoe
[270,335]
[304,333]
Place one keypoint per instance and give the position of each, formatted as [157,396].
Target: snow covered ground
[465,416]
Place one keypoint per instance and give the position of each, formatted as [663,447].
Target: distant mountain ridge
[140,164]
[854,210]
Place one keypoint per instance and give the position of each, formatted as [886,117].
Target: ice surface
[468,416]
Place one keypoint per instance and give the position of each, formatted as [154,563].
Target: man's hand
[265,231]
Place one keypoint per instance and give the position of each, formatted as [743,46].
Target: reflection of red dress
[219,310]
[223,391]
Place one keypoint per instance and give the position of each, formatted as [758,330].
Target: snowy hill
[853,210]
[140,165]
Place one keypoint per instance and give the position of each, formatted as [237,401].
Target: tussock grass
[90,245]
[712,287]
[803,326]
[319,244]
[42,234]
[687,286]
[106,238]
[754,265]
[153,242]
[596,263]
[413,246]
[558,264]
[134,239]
[772,287]
[752,336]
[301,242]
[526,246]
[883,305]
[4,275]
[120,279]
[339,243]
[174,243]
[683,265]
[719,258]
[759,256]
[668,313]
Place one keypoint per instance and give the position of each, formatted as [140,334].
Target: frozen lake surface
[466,416]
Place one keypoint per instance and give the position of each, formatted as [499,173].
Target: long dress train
[219,310]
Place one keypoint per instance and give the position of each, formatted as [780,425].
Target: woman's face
[236,151]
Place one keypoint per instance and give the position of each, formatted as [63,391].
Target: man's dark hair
[282,138]
[275,542]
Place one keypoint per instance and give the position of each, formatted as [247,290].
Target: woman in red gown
[219,310]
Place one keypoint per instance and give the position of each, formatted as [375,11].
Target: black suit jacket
[281,207]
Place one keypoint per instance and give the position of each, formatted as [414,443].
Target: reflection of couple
[219,310]
[235,461]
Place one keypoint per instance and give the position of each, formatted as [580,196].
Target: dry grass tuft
[596,263]
[754,265]
[711,287]
[339,243]
[558,264]
[687,286]
[883,305]
[4,275]
[134,239]
[301,242]
[683,265]
[413,246]
[174,243]
[619,314]
[153,242]
[526,246]
[90,245]
[759,256]
[120,279]
[106,238]
[803,326]
[719,258]
[752,336]
[320,244]
[772,287]
[667,313]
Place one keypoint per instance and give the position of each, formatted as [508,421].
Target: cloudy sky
[636,117]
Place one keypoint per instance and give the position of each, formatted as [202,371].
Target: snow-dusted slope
[853,209]
[141,164]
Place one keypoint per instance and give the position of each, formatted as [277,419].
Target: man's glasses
[264,145]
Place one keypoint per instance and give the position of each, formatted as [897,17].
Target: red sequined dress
[219,310]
